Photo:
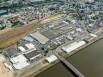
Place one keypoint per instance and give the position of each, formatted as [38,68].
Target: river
[88,61]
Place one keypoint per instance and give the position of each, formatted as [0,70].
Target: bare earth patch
[4,71]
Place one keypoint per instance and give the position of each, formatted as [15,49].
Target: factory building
[39,37]
[36,0]
[21,48]
[27,38]
[90,1]
[22,56]
[12,52]
[11,16]
[73,46]
[31,56]
[30,46]
[90,37]
[19,62]
[26,47]
[51,58]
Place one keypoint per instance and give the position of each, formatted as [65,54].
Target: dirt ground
[5,72]
[52,18]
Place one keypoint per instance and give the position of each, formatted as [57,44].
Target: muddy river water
[88,61]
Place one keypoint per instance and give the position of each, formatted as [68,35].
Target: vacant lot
[5,72]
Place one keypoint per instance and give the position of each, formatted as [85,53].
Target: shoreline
[65,56]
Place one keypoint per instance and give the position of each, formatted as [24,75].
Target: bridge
[70,66]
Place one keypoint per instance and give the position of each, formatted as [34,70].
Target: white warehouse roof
[19,62]
[73,46]
[93,35]
[21,48]
[26,47]
[51,58]
[30,46]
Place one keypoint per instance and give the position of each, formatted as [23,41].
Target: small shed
[51,58]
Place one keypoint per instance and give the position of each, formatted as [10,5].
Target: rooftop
[12,52]
[41,38]
[19,62]
[32,54]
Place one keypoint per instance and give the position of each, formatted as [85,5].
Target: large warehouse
[19,62]
[69,48]
[41,38]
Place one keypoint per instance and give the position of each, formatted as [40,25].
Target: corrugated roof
[73,46]
[19,62]
[32,54]
[42,39]
[21,48]
[12,51]
[30,46]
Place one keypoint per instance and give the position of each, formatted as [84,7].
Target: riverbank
[66,56]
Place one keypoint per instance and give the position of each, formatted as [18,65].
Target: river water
[88,61]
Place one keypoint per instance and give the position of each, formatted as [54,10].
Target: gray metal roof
[12,52]
[32,54]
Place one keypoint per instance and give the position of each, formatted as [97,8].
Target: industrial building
[12,52]
[26,47]
[30,46]
[27,38]
[22,56]
[19,62]
[38,36]
[73,46]
[51,58]
[90,1]
[22,49]
[90,37]
[32,55]
[36,0]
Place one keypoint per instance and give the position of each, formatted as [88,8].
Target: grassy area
[0,51]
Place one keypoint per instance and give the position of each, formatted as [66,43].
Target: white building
[90,1]
[26,47]
[36,0]
[19,62]
[51,58]
[30,46]
[73,46]
[22,49]
[27,38]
